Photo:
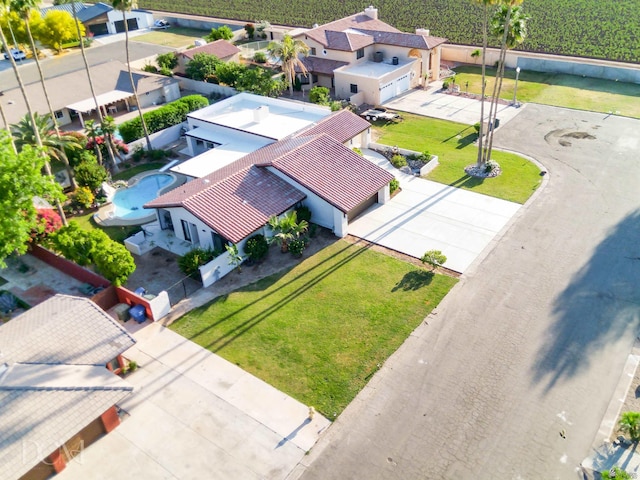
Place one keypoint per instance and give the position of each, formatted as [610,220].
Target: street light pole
[515,90]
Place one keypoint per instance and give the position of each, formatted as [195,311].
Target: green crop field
[587,28]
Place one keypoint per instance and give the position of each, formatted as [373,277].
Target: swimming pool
[128,201]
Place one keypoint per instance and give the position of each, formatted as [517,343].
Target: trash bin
[140,291]
[138,313]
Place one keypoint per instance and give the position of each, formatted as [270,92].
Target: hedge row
[170,114]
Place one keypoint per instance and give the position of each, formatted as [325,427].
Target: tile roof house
[224,50]
[112,86]
[57,393]
[263,157]
[368,61]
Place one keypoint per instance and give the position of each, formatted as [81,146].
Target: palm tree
[630,423]
[126,6]
[94,131]
[286,229]
[4,7]
[288,53]
[510,24]
[485,20]
[108,130]
[91,87]
[54,144]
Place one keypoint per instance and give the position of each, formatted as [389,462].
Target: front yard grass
[560,90]
[175,37]
[453,144]
[320,330]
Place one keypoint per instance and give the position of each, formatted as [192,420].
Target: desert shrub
[399,161]
[256,247]
[260,57]
[195,258]
[394,185]
[319,95]
[303,213]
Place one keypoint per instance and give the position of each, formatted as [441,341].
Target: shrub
[476,127]
[357,150]
[167,60]
[435,258]
[83,197]
[425,156]
[256,247]
[167,72]
[260,57]
[297,246]
[398,161]
[114,261]
[303,213]
[250,29]
[223,32]
[319,95]
[150,68]
[335,105]
[90,174]
[48,222]
[445,84]
[195,258]
[171,114]
[394,185]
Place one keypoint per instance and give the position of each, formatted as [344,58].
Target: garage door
[387,91]
[362,207]
[402,84]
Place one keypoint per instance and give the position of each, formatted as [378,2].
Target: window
[313,51]
[59,114]
[314,78]
[218,242]
[354,88]
[360,53]
[185,230]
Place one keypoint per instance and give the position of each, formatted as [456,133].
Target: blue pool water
[128,202]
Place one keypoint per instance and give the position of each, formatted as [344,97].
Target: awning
[103,99]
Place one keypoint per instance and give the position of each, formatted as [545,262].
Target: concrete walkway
[456,108]
[195,415]
[427,215]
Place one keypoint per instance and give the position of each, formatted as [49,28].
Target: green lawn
[320,330]
[127,173]
[559,90]
[175,37]
[453,144]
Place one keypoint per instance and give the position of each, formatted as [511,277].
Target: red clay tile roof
[341,126]
[323,66]
[240,204]
[220,48]
[357,21]
[330,170]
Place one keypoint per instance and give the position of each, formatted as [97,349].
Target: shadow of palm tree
[414,280]
[466,140]
[467,181]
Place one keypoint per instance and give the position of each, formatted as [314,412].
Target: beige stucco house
[368,61]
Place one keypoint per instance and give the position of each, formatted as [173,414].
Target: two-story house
[368,61]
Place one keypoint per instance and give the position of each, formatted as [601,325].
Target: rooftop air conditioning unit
[377,57]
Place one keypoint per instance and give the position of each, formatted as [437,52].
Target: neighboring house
[58,389]
[71,98]
[368,61]
[102,19]
[222,49]
[266,156]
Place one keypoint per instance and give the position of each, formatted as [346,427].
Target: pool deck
[105,214]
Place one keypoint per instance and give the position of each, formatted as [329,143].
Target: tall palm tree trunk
[91,87]
[47,167]
[6,127]
[26,17]
[493,112]
[480,160]
[133,85]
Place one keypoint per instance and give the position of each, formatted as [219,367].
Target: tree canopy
[58,28]
[21,180]
[202,66]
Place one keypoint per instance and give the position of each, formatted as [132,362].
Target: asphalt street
[72,61]
[532,340]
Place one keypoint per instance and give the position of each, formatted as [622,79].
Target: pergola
[104,101]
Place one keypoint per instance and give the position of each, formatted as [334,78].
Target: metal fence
[183,288]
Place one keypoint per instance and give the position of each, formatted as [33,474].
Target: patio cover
[103,99]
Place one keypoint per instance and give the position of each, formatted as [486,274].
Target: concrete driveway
[456,108]
[531,343]
[194,415]
[427,215]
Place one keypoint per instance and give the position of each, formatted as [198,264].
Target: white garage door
[387,91]
[402,84]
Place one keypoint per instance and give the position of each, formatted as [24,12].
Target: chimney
[260,113]
[371,12]
[422,31]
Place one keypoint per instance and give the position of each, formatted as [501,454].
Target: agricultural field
[584,28]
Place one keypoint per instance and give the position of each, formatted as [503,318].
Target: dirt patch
[579,135]
[562,137]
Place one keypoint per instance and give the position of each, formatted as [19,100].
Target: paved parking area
[194,415]
[427,215]
[456,108]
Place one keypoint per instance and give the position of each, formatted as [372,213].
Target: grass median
[453,144]
[319,331]
[175,37]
